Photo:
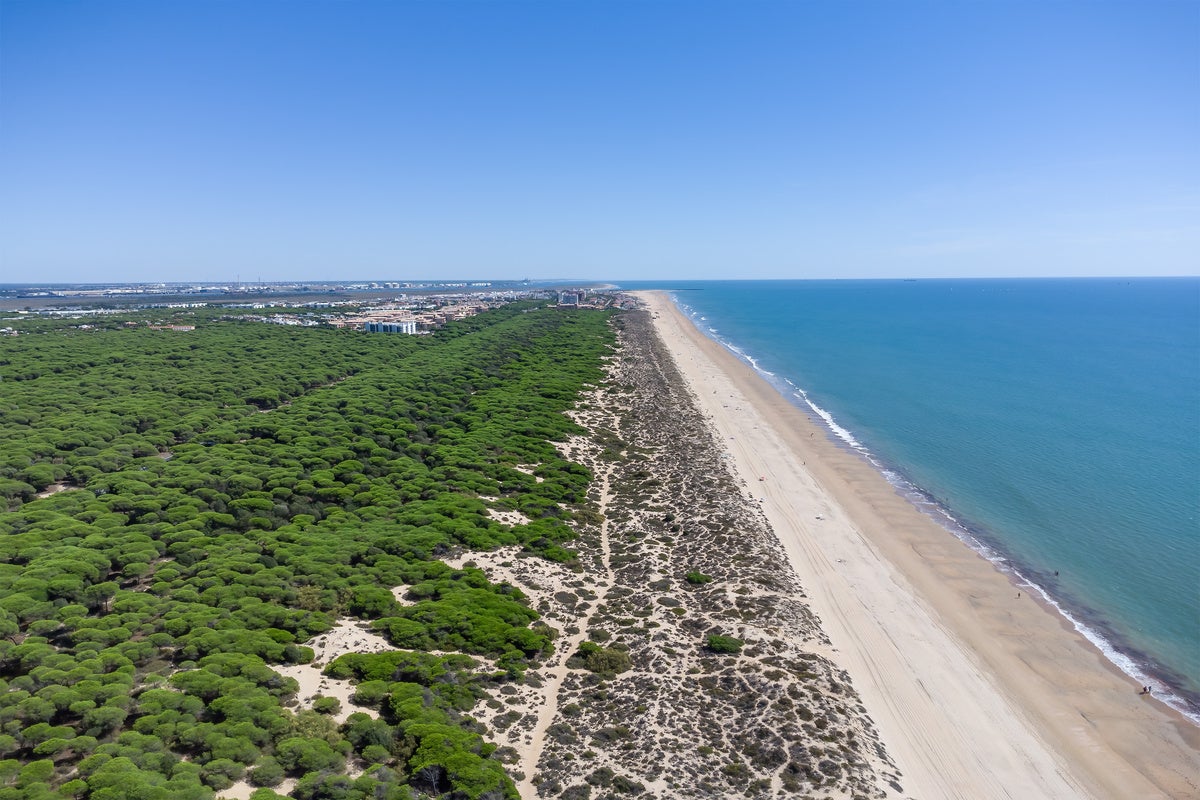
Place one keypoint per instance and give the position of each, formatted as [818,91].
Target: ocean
[1053,424]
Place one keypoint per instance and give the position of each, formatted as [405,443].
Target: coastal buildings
[407,326]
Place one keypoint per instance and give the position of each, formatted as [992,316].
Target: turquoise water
[1055,424]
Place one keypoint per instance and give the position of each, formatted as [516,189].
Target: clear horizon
[584,280]
[198,142]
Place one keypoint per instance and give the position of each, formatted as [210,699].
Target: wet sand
[976,693]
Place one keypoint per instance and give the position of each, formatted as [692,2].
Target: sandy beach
[976,692]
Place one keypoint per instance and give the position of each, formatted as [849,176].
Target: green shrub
[267,772]
[723,644]
[376,754]
[327,705]
[601,660]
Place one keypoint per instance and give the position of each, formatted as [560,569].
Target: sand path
[976,694]
[347,636]
[554,675]
[52,489]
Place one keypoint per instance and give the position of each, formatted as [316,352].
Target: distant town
[395,307]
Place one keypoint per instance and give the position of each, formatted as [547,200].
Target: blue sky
[615,140]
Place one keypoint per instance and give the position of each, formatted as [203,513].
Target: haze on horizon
[315,140]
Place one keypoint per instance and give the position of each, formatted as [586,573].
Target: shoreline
[976,692]
[1168,685]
